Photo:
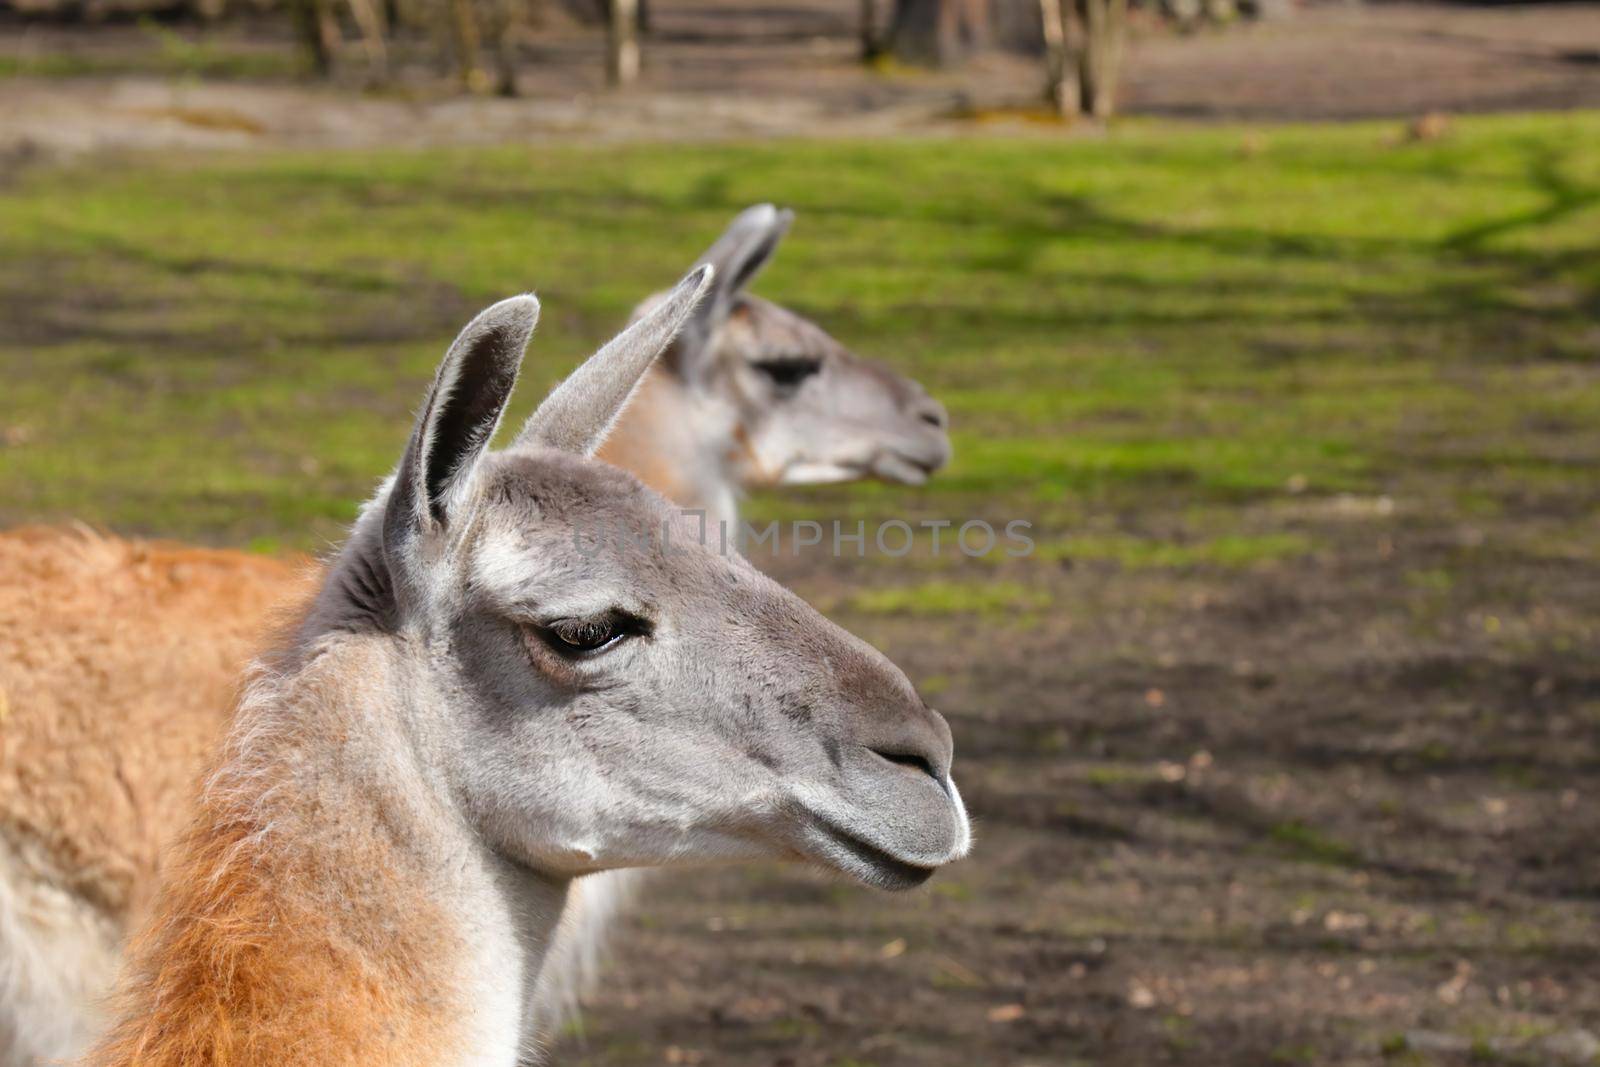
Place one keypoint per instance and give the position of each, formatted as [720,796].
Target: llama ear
[579,413]
[738,256]
[459,418]
[744,248]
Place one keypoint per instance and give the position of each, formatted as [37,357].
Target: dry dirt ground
[740,68]
[1298,814]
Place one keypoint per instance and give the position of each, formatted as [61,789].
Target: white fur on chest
[58,958]
[507,918]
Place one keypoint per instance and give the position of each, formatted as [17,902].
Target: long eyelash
[623,624]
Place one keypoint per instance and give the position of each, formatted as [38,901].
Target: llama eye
[576,637]
[582,635]
[789,372]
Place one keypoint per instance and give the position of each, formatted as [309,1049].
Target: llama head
[596,688]
[801,407]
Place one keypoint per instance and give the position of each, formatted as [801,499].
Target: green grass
[1233,550]
[951,598]
[1115,776]
[1141,329]
[1313,846]
[170,54]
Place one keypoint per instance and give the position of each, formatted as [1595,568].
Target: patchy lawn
[1283,740]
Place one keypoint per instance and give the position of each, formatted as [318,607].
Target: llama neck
[330,906]
[681,445]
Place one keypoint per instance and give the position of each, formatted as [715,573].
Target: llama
[749,394]
[754,395]
[477,711]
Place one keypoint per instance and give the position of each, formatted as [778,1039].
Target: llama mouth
[867,862]
[904,469]
[819,473]
[895,467]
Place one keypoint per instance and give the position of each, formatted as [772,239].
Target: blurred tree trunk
[622,43]
[369,16]
[1061,75]
[871,41]
[1081,41]
[319,33]
[939,33]
[464,36]
[1105,25]
[504,23]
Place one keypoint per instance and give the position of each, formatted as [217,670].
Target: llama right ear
[578,415]
[737,256]
[458,418]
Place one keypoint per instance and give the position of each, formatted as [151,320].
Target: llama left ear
[738,255]
[458,418]
[744,248]
[578,415]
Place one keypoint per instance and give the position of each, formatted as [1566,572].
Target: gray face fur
[808,411]
[716,715]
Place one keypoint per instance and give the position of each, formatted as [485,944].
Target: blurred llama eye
[789,372]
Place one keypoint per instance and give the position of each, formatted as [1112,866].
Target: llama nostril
[909,761]
[933,419]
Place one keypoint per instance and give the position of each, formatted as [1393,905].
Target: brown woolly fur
[243,977]
[270,945]
[118,662]
[655,415]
